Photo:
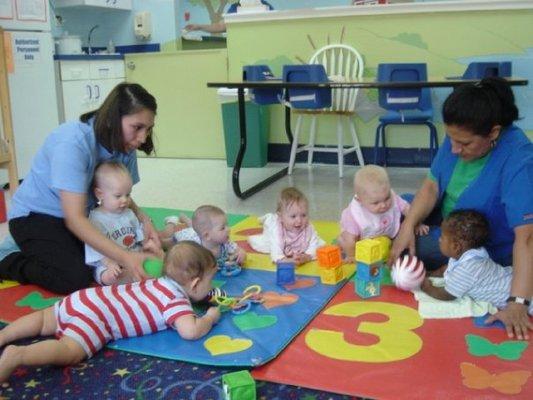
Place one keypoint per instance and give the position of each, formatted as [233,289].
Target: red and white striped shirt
[95,316]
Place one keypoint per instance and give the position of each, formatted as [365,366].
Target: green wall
[189,119]
[438,39]
[188,123]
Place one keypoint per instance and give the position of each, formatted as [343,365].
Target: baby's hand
[301,258]
[214,313]
[240,256]
[422,230]
[112,273]
[426,285]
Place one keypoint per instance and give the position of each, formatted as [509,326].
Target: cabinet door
[101,88]
[78,98]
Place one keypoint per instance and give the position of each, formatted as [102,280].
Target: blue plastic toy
[285,273]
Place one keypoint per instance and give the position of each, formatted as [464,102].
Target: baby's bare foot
[9,361]
[109,277]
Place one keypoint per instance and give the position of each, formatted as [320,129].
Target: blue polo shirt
[66,161]
[233,8]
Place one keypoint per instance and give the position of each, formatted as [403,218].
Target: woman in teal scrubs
[486,164]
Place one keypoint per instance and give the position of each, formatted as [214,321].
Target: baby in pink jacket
[375,210]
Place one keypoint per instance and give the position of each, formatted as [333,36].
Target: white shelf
[111,4]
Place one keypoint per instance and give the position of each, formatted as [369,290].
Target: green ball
[153,267]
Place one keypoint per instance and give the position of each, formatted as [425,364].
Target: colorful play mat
[374,348]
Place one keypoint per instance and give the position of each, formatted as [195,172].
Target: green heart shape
[251,320]
[36,301]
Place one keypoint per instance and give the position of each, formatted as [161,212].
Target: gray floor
[186,184]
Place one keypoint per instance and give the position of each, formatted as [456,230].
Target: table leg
[242,150]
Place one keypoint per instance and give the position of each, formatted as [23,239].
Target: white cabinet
[85,84]
[116,4]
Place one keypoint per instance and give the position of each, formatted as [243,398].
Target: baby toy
[238,305]
[369,256]
[330,263]
[153,267]
[230,268]
[408,273]
[285,273]
[238,386]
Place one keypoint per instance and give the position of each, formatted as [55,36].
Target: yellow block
[385,245]
[368,251]
[331,276]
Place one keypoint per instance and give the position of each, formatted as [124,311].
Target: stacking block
[331,276]
[238,386]
[385,245]
[368,251]
[307,98]
[329,256]
[366,288]
[285,273]
[369,271]
[257,73]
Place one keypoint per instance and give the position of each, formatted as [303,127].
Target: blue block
[369,272]
[367,288]
[307,98]
[257,73]
[285,273]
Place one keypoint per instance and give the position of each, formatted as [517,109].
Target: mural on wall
[214,8]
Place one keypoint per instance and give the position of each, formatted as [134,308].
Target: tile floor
[187,183]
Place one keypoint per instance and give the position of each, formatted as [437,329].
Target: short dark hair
[469,227]
[480,106]
[124,99]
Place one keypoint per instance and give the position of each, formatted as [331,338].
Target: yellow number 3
[396,341]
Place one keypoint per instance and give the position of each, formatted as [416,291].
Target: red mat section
[19,300]
[381,348]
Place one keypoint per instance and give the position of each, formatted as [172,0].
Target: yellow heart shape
[223,344]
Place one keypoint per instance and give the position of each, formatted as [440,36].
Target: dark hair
[469,227]
[124,99]
[478,107]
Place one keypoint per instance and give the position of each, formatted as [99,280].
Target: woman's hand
[515,319]
[150,233]
[133,264]
[404,240]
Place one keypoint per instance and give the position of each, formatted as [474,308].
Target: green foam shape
[509,350]
[251,320]
[36,301]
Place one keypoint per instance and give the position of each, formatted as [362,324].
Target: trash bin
[257,129]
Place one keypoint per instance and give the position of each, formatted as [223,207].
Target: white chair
[342,63]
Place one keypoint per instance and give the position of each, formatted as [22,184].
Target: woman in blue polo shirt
[486,164]
[48,215]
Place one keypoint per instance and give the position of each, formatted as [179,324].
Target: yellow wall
[188,123]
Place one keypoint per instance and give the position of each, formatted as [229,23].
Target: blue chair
[484,69]
[261,73]
[405,106]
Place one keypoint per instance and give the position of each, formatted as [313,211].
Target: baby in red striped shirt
[86,320]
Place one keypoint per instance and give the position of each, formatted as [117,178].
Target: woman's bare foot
[9,361]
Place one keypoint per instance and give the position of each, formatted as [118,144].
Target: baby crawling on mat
[470,271]
[287,234]
[87,319]
[208,227]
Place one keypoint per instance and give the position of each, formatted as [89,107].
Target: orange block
[329,256]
